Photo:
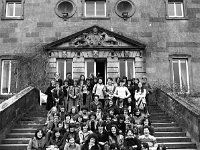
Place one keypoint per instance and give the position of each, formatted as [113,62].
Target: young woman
[38,142]
[98,89]
[74,95]
[91,143]
[71,145]
[85,96]
[147,138]
[140,95]
[48,92]
[102,137]
[56,140]
[110,106]
[81,80]
[146,123]
[122,92]
[138,117]
[65,88]
[92,122]
[130,105]
[131,141]
[115,137]
[109,90]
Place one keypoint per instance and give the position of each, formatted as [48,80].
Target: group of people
[85,114]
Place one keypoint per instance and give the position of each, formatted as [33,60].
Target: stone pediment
[95,37]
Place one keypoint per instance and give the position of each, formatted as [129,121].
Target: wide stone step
[159,117]
[35,125]
[23,130]
[20,135]
[167,129]
[172,139]
[13,146]
[32,122]
[169,134]
[176,145]
[182,149]
[16,141]
[171,124]
[169,120]
[33,119]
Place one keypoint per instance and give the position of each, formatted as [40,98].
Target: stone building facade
[156,38]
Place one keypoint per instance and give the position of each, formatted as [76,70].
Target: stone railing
[15,107]
[186,115]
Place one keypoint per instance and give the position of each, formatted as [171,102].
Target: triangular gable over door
[95,37]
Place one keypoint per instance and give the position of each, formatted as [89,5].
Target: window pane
[60,68]
[179,9]
[18,9]
[184,75]
[90,68]
[122,68]
[68,67]
[89,8]
[10,8]
[171,11]
[13,82]
[130,69]
[5,76]
[176,74]
[100,9]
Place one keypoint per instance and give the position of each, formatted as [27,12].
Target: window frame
[9,78]
[126,67]
[65,64]
[188,69]
[107,11]
[184,10]
[4,10]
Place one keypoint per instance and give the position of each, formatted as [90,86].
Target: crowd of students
[85,114]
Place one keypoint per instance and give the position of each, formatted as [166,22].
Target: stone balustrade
[15,107]
[187,115]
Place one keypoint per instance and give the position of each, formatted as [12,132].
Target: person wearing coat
[38,142]
[48,92]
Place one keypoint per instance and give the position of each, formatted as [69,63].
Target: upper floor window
[95,8]
[176,9]
[13,9]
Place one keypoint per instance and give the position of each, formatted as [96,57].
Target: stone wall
[148,25]
[13,108]
[186,115]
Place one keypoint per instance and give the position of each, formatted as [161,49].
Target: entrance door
[97,67]
[101,69]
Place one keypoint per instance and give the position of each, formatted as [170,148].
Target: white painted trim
[179,68]
[188,81]
[133,68]
[95,69]
[9,79]
[175,12]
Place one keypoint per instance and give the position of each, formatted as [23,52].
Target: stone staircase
[25,128]
[166,131]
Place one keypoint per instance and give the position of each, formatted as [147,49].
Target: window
[9,77]
[13,9]
[127,68]
[180,74]
[176,9]
[63,67]
[95,8]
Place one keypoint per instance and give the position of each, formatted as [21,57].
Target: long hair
[38,130]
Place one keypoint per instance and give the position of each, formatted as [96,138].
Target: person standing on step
[58,79]
[48,92]
[98,89]
[69,78]
[122,92]
[65,88]
[148,88]
[74,95]
[58,95]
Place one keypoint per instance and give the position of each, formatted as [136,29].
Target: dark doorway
[101,69]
